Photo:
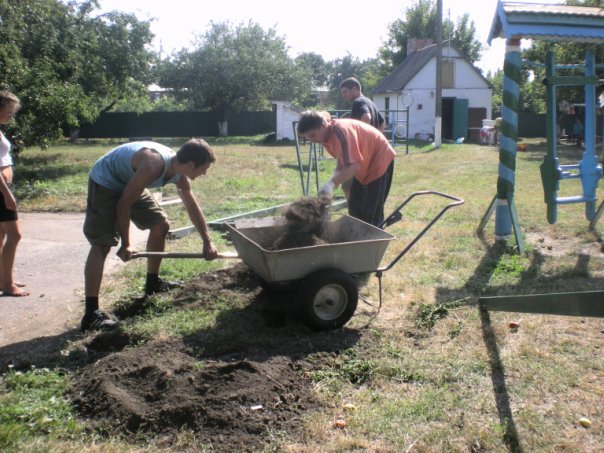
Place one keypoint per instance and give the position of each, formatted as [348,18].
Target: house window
[448,74]
[387,109]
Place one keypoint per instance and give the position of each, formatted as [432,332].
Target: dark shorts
[7,215]
[100,225]
[366,202]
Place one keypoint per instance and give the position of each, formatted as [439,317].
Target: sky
[332,29]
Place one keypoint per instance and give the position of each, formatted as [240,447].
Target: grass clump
[32,404]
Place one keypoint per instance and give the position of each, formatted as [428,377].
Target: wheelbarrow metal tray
[352,246]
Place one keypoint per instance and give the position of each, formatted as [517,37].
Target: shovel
[222,255]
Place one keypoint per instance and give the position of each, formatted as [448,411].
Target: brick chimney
[414,44]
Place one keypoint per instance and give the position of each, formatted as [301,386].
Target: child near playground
[362,153]
[118,192]
[10,232]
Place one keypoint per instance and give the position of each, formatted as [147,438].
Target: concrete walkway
[50,260]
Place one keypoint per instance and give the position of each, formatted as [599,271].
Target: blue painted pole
[590,170]
[550,171]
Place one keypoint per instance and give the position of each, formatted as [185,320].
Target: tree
[420,22]
[368,72]
[496,81]
[234,68]
[318,68]
[532,94]
[318,73]
[68,65]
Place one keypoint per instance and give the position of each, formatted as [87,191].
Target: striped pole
[509,136]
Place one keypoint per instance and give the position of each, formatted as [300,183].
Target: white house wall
[286,115]
[421,112]
[468,85]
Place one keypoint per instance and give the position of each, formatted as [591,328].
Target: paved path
[50,260]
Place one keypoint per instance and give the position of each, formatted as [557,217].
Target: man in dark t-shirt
[363,109]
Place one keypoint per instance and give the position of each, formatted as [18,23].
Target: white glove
[327,188]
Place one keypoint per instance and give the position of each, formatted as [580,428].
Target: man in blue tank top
[118,193]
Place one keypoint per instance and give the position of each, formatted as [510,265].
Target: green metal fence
[176,124]
[533,124]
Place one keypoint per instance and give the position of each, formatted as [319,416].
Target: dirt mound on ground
[234,384]
[160,388]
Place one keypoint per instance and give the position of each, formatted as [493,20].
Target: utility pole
[439,75]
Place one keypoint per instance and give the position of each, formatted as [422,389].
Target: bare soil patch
[234,396]
[560,245]
[161,388]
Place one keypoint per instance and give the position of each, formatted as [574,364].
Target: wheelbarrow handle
[396,216]
[221,255]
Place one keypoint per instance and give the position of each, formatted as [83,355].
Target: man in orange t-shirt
[362,152]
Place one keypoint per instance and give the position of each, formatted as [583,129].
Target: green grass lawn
[431,372]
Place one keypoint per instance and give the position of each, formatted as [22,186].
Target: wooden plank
[588,303]
[221,255]
[170,202]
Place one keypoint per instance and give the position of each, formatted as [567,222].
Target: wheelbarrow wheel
[328,299]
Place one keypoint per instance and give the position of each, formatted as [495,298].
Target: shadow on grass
[45,167]
[250,321]
[531,282]
[565,152]
[262,327]
[477,285]
[42,352]
[502,397]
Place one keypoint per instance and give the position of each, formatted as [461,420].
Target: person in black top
[363,109]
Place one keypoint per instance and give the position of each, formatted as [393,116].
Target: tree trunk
[74,134]
[223,128]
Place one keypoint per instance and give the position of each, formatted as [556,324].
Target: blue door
[460,118]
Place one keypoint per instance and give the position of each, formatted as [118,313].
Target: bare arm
[196,215]
[366,118]
[344,172]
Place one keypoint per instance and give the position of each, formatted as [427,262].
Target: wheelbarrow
[324,277]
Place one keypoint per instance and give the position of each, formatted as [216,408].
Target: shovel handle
[221,255]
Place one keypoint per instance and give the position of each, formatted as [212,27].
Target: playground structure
[588,169]
[563,23]
[554,23]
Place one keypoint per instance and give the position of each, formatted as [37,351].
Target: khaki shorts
[100,225]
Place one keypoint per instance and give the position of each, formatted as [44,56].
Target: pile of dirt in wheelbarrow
[232,387]
[305,219]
